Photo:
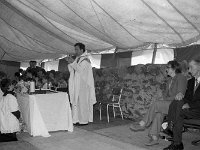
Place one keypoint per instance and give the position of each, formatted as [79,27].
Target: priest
[81,86]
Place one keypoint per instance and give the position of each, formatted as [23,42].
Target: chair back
[117,94]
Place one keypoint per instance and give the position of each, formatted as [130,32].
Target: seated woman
[9,113]
[175,90]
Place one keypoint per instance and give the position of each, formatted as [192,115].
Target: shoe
[137,128]
[168,132]
[152,142]
[78,124]
[83,124]
[174,147]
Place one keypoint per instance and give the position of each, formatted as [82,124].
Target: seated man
[189,110]
[173,106]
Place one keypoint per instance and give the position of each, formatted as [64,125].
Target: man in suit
[171,117]
[188,108]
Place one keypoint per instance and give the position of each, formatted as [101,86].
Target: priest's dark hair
[81,46]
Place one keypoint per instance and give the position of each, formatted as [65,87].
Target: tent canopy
[40,29]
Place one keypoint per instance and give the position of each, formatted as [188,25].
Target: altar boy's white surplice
[81,90]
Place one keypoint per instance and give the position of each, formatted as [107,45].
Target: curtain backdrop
[124,59]
[187,53]
[116,59]
[108,60]
[62,65]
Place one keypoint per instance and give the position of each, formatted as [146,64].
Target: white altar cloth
[42,113]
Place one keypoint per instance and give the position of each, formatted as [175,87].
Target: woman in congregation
[9,113]
[176,88]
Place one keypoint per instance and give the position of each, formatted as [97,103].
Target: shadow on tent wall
[9,67]
[187,53]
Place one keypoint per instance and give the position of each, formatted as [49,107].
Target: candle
[32,86]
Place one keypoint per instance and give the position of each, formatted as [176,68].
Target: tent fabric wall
[51,65]
[142,57]
[187,53]
[164,55]
[9,67]
[95,60]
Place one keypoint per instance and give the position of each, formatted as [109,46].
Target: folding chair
[114,103]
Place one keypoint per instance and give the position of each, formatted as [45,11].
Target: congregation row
[9,108]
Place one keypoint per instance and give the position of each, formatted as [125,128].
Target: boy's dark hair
[2,75]
[5,83]
[175,65]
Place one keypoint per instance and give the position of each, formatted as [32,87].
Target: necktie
[196,82]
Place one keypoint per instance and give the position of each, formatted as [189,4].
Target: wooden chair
[188,123]
[114,103]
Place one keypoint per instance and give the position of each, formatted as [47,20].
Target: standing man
[33,68]
[81,86]
[189,110]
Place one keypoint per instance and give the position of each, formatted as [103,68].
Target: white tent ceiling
[38,29]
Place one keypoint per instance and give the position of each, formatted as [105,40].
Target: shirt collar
[198,79]
[84,54]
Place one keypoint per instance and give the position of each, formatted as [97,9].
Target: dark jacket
[194,101]
[190,90]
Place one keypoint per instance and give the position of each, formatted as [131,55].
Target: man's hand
[179,96]
[185,106]
[69,59]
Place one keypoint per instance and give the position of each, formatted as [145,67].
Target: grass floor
[102,124]
[98,135]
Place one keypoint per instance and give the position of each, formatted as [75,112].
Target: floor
[98,135]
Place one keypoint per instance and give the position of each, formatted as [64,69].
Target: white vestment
[81,90]
[8,122]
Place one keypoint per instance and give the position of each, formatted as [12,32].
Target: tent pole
[154,53]
[2,56]
[1,59]
[115,58]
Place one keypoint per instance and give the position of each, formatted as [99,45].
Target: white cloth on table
[8,122]
[46,112]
